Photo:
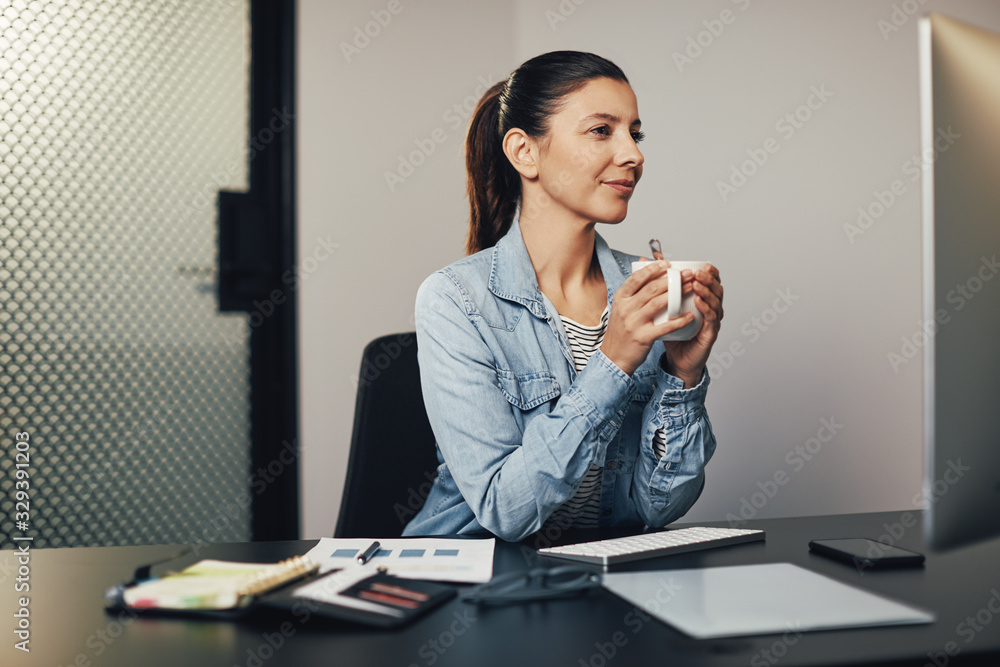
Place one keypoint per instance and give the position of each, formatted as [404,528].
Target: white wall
[813,308]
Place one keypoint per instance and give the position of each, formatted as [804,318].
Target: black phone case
[828,548]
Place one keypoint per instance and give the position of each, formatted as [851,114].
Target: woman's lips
[623,186]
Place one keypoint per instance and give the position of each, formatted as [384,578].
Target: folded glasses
[537,584]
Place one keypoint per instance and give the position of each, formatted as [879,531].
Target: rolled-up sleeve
[664,488]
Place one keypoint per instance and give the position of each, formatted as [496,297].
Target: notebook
[215,584]
[215,589]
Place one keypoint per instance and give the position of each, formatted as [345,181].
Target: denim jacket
[517,427]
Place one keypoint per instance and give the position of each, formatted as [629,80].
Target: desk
[69,626]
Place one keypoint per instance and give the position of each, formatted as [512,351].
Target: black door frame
[258,271]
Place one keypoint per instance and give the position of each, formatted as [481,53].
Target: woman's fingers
[639,279]
[707,295]
[709,292]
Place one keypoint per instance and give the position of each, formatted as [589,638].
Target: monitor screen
[960,140]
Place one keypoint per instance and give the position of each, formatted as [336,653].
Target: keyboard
[650,545]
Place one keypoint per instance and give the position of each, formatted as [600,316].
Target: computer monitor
[960,139]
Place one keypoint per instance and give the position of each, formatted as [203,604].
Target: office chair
[393,460]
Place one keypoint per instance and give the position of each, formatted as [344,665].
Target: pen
[367,554]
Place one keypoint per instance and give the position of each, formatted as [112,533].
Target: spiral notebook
[215,584]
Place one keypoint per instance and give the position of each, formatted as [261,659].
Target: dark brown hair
[525,100]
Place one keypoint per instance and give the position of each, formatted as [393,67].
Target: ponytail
[527,98]
[493,185]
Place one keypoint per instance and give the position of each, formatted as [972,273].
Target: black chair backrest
[393,461]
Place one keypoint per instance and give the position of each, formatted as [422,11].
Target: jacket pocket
[529,390]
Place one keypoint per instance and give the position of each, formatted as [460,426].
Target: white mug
[677,307]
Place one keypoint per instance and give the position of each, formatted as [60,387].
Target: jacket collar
[512,277]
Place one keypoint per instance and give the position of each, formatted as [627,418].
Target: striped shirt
[583,509]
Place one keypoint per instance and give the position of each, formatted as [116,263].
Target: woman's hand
[631,332]
[687,358]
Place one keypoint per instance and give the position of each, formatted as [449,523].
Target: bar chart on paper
[468,561]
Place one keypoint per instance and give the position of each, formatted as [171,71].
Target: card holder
[381,599]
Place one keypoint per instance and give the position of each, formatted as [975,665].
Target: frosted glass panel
[119,122]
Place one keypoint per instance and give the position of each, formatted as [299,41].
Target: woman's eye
[638,136]
[603,130]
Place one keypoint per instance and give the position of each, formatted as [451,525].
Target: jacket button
[612,465]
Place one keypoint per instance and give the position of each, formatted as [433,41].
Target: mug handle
[674,286]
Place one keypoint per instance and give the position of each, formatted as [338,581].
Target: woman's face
[589,162]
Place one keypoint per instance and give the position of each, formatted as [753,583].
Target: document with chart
[433,559]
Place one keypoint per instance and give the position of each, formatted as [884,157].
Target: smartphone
[866,554]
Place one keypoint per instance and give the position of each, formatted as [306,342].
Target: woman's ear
[522,152]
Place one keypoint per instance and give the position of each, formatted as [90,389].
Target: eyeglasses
[538,584]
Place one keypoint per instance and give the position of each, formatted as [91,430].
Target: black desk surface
[70,627]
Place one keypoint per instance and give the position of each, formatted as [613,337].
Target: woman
[550,399]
